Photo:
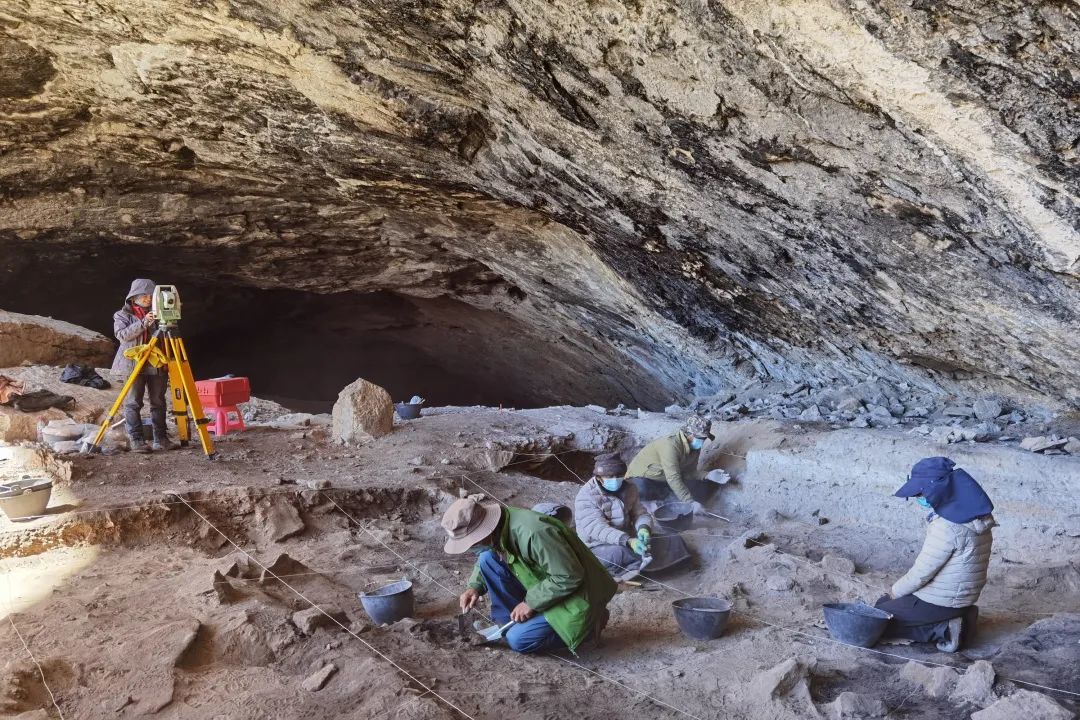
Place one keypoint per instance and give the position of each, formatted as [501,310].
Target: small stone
[417,461]
[937,682]
[849,403]
[310,620]
[1015,417]
[853,706]
[673,409]
[976,686]
[779,583]
[597,409]
[784,679]
[860,422]
[1073,446]
[320,484]
[838,564]
[959,411]
[445,461]
[915,411]
[1024,704]
[317,680]
[1042,444]
[987,409]
[279,520]
[811,414]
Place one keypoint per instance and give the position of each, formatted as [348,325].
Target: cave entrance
[300,348]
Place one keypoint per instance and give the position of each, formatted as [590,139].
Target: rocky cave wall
[699,192]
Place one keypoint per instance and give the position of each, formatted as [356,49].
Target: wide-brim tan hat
[468,521]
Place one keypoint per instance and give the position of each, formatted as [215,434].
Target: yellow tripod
[181,384]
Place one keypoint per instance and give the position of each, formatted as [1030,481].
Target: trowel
[494,633]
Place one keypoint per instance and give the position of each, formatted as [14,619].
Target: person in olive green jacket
[535,571]
[668,465]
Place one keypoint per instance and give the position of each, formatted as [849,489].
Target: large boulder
[42,340]
[363,411]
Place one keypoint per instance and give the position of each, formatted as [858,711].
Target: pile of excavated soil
[134,598]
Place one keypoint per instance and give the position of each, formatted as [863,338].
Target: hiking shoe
[140,446]
[951,643]
[166,445]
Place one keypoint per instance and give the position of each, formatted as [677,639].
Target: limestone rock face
[694,192]
[363,411]
[45,341]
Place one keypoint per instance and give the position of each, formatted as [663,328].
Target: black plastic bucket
[389,603]
[702,618]
[408,411]
[675,516]
[856,623]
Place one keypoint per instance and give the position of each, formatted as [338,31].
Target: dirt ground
[173,587]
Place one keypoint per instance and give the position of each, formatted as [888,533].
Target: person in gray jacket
[610,519]
[133,325]
[935,600]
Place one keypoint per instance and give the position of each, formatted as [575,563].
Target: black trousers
[916,619]
[153,386]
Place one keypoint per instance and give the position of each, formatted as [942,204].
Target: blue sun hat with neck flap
[951,492]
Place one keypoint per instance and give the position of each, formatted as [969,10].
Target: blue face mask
[924,502]
[611,484]
[697,443]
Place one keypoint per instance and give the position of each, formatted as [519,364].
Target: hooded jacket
[129,330]
[669,459]
[950,570]
[604,518]
[563,580]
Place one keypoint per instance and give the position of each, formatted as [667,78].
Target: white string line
[817,637]
[41,672]
[337,622]
[490,619]
[582,667]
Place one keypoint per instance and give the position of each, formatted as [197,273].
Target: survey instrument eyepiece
[166,305]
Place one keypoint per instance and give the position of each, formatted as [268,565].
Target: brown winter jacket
[129,330]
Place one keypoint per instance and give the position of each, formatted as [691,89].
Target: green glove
[637,546]
[644,533]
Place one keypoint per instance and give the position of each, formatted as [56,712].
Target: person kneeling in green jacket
[535,571]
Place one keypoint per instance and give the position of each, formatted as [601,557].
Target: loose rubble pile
[882,404]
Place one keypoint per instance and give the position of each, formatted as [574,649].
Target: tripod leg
[188,382]
[176,390]
[139,363]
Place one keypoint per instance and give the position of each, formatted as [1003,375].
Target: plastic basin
[25,498]
[389,603]
[856,623]
[675,516]
[702,618]
[408,411]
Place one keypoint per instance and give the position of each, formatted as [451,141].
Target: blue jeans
[505,592]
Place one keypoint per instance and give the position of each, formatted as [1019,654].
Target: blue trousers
[505,592]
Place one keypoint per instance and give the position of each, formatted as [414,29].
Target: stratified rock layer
[698,192]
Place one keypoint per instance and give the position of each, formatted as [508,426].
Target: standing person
[610,519]
[935,600]
[668,466]
[133,325]
[535,571]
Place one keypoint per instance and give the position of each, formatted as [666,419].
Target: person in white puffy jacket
[935,600]
[610,519]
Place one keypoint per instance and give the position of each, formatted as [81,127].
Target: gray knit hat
[609,466]
[699,427]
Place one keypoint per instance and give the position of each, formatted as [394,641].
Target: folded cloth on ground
[84,375]
[40,400]
[9,389]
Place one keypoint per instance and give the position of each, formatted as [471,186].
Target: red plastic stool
[219,399]
[224,419]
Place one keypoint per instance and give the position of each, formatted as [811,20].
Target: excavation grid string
[811,635]
[337,622]
[26,646]
[453,593]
